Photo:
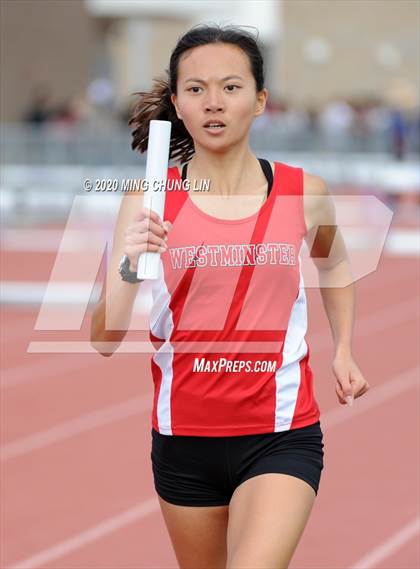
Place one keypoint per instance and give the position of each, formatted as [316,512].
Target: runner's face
[234,101]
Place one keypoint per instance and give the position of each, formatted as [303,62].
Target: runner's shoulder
[314,185]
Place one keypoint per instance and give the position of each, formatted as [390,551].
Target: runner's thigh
[198,534]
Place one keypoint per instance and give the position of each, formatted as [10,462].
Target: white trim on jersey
[161,325]
[288,375]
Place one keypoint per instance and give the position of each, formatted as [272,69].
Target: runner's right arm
[137,230]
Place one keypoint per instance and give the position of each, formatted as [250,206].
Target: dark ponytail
[157,104]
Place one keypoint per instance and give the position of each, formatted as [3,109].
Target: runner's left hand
[350,382]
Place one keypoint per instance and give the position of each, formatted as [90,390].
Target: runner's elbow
[103,341]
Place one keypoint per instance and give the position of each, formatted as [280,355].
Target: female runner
[236,441]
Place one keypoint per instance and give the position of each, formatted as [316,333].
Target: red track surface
[59,486]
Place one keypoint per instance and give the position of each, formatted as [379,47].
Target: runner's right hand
[147,232]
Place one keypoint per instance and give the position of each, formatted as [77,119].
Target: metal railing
[110,143]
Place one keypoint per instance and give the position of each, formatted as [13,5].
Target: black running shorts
[205,471]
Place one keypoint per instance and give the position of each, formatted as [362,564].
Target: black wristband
[127,275]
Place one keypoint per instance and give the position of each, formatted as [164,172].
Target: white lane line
[112,524]
[25,373]
[61,293]
[48,240]
[107,415]
[88,536]
[81,424]
[44,368]
[375,396]
[92,420]
[27,293]
[377,555]
[365,326]
[22,331]
[36,292]
[372,323]
[403,242]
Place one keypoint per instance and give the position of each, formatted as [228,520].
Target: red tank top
[229,318]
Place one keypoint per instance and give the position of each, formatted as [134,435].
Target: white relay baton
[154,196]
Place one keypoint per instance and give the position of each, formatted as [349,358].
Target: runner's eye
[231,91]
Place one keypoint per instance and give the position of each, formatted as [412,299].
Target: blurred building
[315,50]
